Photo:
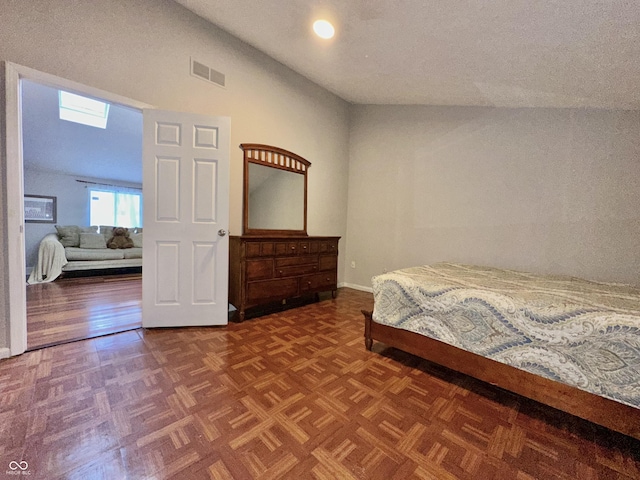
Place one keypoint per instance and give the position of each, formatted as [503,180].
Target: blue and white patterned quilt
[577,332]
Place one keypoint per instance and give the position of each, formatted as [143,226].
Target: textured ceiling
[515,53]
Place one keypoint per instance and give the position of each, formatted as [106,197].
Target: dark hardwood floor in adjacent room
[290,395]
[69,309]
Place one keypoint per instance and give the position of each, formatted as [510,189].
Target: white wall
[544,190]
[72,200]
[141,50]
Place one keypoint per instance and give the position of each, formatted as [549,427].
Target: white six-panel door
[186,219]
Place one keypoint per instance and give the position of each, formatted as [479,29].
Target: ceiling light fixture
[323,29]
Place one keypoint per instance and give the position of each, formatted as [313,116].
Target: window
[115,208]
[79,109]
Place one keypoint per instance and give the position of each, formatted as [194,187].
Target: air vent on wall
[204,72]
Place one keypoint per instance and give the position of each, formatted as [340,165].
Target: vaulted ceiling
[113,153]
[512,53]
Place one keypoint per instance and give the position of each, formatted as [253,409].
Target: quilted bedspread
[574,331]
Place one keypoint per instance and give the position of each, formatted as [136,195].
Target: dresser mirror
[275,191]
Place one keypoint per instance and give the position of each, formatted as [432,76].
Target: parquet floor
[84,307]
[290,395]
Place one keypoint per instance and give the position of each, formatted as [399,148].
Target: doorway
[186,204]
[14,76]
[87,156]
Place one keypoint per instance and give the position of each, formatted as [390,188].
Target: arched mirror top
[275,191]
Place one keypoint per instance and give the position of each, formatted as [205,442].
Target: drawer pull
[280,271]
[328,279]
[309,283]
[293,248]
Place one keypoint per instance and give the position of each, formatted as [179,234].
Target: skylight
[86,111]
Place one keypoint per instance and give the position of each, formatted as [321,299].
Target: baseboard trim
[356,287]
[5,353]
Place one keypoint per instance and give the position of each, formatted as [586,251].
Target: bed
[563,341]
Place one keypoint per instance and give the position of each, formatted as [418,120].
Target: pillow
[137,240]
[92,240]
[106,230]
[69,235]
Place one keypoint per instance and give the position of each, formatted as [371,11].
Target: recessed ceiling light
[323,29]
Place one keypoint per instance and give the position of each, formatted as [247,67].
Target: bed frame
[608,413]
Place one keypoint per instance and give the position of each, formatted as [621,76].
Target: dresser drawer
[300,260]
[287,248]
[328,246]
[296,270]
[272,289]
[318,281]
[259,249]
[304,247]
[259,269]
[328,262]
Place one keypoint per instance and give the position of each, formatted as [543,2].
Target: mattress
[581,333]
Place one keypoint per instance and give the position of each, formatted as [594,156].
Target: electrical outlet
[353,264]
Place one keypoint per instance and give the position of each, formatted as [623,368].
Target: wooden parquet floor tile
[290,395]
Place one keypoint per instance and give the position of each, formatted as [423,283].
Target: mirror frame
[273,157]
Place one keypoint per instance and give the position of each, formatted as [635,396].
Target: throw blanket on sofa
[51,259]
[581,333]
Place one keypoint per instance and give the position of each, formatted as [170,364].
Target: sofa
[74,248]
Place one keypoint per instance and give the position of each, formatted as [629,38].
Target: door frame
[16,268]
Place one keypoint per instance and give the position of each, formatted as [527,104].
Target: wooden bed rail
[600,410]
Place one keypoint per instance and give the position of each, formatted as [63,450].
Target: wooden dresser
[269,269]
